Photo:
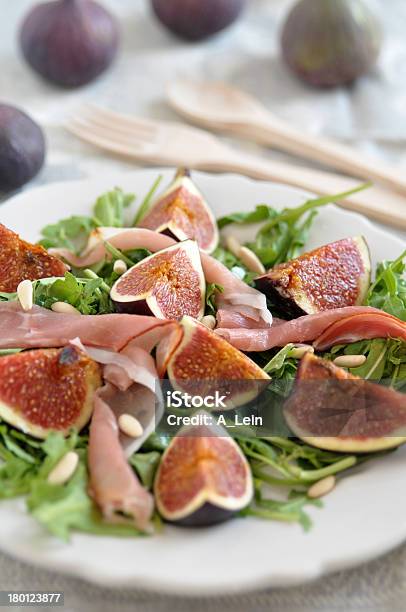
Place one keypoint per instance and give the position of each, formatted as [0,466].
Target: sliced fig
[333,276]
[332,409]
[203,477]
[48,390]
[204,363]
[182,212]
[167,284]
[20,260]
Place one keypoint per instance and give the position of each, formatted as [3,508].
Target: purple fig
[69,42]
[22,148]
[197,19]
[329,43]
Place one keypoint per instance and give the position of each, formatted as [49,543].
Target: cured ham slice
[235,293]
[124,368]
[364,326]
[230,319]
[124,239]
[112,483]
[302,329]
[42,328]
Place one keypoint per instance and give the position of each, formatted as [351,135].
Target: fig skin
[46,390]
[334,275]
[69,42]
[173,286]
[204,363]
[22,148]
[203,478]
[329,43]
[197,19]
[334,410]
[182,213]
[21,260]
[206,516]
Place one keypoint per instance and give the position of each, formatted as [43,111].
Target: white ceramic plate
[363,517]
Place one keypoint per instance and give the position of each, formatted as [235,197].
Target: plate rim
[315,569]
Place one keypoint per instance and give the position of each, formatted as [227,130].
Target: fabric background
[371,115]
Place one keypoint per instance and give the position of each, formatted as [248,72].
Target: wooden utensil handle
[375,202]
[270,131]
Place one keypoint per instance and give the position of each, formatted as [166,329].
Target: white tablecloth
[372,115]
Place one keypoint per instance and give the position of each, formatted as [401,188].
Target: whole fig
[197,19]
[69,42]
[22,148]
[328,43]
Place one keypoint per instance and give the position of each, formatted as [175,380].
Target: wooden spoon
[223,108]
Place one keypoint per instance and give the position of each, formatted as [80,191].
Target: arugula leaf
[143,209]
[290,510]
[146,465]
[71,233]
[262,212]
[388,291]
[386,360]
[285,232]
[278,361]
[110,207]
[212,289]
[87,295]
[282,462]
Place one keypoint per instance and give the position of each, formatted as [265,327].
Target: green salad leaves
[283,467]
[388,291]
[284,232]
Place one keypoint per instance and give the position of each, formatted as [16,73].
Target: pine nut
[120,267]
[300,350]
[209,321]
[322,487]
[251,260]
[65,308]
[25,295]
[233,245]
[64,469]
[350,361]
[130,426]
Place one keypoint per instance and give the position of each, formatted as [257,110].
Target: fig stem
[147,200]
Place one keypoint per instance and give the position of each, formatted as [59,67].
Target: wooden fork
[175,144]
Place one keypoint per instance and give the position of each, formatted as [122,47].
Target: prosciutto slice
[124,239]
[236,293]
[302,329]
[41,328]
[230,319]
[113,484]
[364,326]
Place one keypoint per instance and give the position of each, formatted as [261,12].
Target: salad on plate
[154,368]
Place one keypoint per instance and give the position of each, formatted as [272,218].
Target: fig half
[203,477]
[20,260]
[204,363]
[182,212]
[334,410]
[332,276]
[167,284]
[48,390]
